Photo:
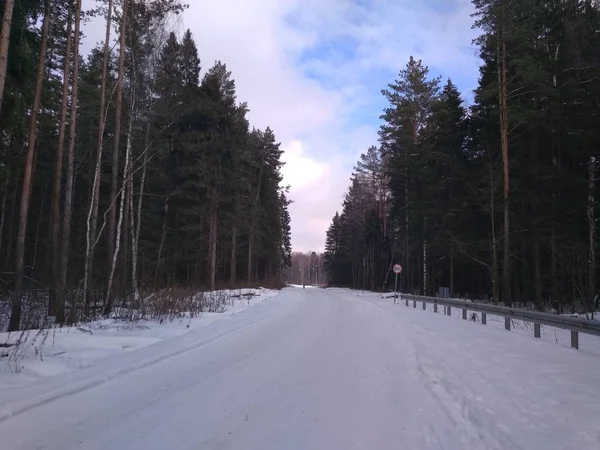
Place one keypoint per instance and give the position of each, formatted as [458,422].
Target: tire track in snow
[476,425]
[83,381]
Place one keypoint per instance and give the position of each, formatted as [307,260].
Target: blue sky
[344,49]
[313,71]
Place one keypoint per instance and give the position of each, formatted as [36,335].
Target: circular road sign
[397,269]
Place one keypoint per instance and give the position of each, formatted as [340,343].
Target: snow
[319,369]
[57,351]
[587,343]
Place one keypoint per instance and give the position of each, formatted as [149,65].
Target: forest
[127,170]
[496,200]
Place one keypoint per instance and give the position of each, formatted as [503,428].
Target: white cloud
[263,42]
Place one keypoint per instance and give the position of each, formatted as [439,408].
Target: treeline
[495,200]
[305,268]
[127,169]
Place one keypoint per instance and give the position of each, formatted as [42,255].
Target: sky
[313,71]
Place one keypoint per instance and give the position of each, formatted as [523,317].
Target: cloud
[312,70]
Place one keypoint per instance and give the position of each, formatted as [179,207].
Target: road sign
[397,271]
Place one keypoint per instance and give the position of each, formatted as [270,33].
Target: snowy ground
[58,351]
[587,343]
[320,369]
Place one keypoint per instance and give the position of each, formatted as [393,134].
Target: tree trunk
[112,215]
[137,228]
[3,211]
[502,93]
[253,221]
[425,258]
[451,270]
[233,262]
[126,173]
[493,239]
[537,270]
[212,239]
[250,244]
[11,224]
[406,229]
[162,242]
[37,232]
[132,222]
[591,216]
[92,219]
[58,167]
[125,233]
[4,43]
[68,204]
[15,317]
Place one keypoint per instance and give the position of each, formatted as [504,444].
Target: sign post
[397,271]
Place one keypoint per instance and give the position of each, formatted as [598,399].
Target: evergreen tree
[504,190]
[197,193]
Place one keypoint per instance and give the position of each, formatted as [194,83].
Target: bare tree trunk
[212,239]
[92,219]
[537,269]
[108,299]
[250,249]
[4,43]
[425,259]
[58,167]
[132,221]
[136,229]
[591,216]
[452,270]
[37,232]
[3,211]
[502,93]
[162,242]
[408,283]
[125,233]
[233,262]
[68,205]
[15,317]
[11,223]
[494,240]
[115,160]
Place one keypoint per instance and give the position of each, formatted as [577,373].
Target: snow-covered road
[322,369]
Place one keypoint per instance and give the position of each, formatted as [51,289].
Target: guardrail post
[472,310]
[575,339]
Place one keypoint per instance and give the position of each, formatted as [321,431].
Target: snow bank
[587,343]
[35,354]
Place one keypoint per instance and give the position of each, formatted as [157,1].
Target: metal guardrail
[574,324]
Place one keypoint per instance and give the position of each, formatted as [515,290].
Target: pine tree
[197,191]
[4,42]
[15,315]
[410,98]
